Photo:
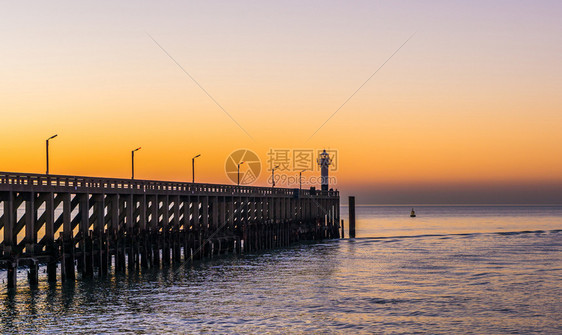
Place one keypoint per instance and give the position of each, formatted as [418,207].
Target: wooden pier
[88,225]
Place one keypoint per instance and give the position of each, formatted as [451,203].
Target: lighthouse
[324,161]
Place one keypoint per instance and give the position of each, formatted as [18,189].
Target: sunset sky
[469,110]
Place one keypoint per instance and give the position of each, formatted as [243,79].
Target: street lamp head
[137,149]
[50,138]
[197,156]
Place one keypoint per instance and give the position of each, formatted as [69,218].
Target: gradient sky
[468,111]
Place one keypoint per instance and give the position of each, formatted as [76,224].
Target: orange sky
[473,97]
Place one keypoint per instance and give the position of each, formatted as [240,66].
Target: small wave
[381,301]
[370,300]
[507,233]
[481,274]
[402,236]
[447,236]
[479,283]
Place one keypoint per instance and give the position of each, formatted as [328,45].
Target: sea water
[450,270]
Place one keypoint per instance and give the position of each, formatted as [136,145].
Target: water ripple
[481,283]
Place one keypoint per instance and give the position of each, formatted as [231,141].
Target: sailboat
[412,213]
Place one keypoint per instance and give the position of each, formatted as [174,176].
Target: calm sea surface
[451,270]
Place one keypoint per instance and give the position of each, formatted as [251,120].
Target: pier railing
[140,185]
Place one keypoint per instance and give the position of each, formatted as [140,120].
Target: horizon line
[459,204]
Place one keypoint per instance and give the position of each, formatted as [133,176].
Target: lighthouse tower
[324,161]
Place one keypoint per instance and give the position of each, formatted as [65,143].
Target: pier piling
[351,217]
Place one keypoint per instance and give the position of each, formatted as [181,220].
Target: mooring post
[104,250]
[148,242]
[63,259]
[185,243]
[108,252]
[144,250]
[122,242]
[52,262]
[70,270]
[98,252]
[67,258]
[12,273]
[351,217]
[130,250]
[118,253]
[33,275]
[89,257]
[249,243]
[191,247]
[342,229]
[137,243]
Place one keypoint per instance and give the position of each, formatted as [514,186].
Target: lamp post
[300,179]
[133,162]
[193,168]
[47,149]
[239,172]
[273,176]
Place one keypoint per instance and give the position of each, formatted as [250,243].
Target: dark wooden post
[130,224]
[52,248]
[165,229]
[33,274]
[84,225]
[12,275]
[351,217]
[68,239]
[176,245]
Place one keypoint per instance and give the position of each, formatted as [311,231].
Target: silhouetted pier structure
[90,224]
